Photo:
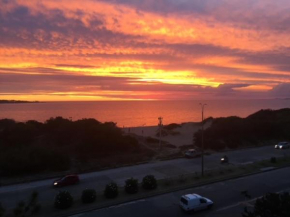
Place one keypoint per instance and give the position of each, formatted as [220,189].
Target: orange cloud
[218,44]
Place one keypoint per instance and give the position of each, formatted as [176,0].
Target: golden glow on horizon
[141,47]
[257,88]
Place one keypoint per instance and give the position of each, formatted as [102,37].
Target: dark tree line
[233,132]
[270,205]
[33,146]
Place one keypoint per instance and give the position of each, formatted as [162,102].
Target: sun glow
[110,50]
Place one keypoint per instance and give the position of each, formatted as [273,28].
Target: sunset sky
[144,49]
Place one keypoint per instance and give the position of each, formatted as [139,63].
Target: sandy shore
[179,136]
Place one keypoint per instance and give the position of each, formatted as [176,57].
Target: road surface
[227,198]
[11,195]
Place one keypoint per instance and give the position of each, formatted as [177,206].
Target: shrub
[63,200]
[172,126]
[27,209]
[273,160]
[2,210]
[89,196]
[131,186]
[111,190]
[271,204]
[149,182]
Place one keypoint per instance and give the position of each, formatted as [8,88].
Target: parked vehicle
[194,202]
[191,153]
[66,180]
[282,145]
[224,159]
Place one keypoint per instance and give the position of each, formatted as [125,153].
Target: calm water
[138,113]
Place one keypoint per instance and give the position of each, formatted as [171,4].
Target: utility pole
[202,147]
[160,119]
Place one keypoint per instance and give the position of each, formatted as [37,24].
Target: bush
[111,190]
[149,182]
[89,196]
[63,200]
[27,209]
[271,204]
[2,210]
[131,186]
[273,160]
[172,126]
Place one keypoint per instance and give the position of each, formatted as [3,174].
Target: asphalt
[227,198]
[11,195]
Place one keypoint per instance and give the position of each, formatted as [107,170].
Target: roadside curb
[154,194]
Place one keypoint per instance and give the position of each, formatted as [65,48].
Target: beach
[179,136]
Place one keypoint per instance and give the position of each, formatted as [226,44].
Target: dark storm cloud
[228,89]
[22,28]
[281,90]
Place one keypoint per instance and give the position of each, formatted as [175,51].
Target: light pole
[160,129]
[202,149]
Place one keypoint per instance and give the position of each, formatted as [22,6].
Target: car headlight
[281,146]
[55,183]
[222,159]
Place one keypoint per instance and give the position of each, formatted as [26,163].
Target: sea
[138,113]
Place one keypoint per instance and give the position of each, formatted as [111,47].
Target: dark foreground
[226,196]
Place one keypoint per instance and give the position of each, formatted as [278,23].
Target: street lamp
[160,130]
[202,149]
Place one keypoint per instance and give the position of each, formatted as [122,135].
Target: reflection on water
[138,113]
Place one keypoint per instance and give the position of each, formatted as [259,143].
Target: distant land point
[16,101]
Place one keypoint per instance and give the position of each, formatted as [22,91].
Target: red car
[66,180]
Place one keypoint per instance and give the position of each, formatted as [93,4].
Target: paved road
[226,196]
[10,195]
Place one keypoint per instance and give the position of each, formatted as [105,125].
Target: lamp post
[160,130]
[202,148]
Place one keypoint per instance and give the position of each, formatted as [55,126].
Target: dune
[178,136]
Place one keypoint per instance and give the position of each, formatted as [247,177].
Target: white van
[195,202]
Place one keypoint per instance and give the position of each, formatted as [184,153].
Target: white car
[282,145]
[194,202]
[190,153]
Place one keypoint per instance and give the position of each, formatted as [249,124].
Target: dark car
[66,180]
[224,159]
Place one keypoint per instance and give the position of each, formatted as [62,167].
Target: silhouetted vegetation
[131,186]
[273,160]
[2,210]
[89,196]
[16,101]
[233,132]
[33,147]
[28,209]
[63,200]
[272,204]
[172,126]
[149,182]
[111,190]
